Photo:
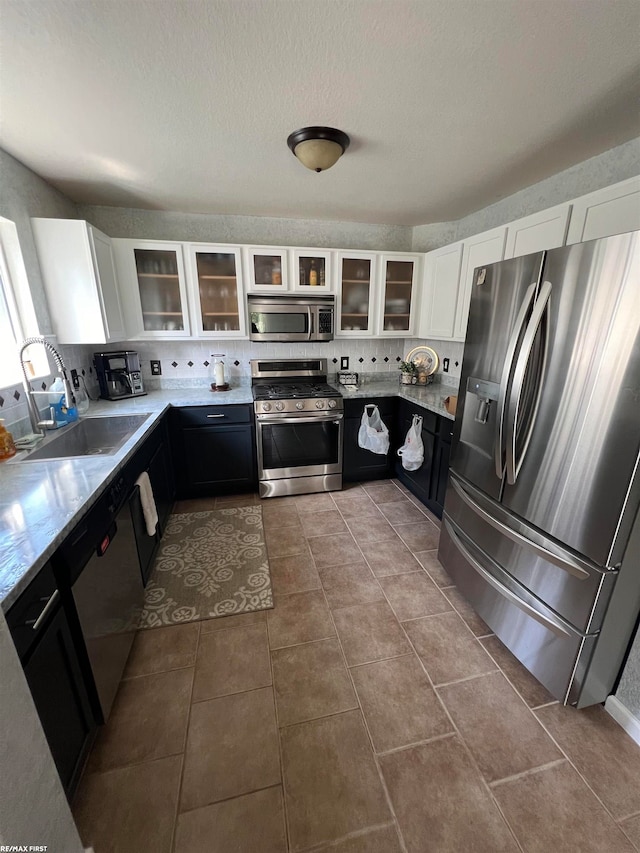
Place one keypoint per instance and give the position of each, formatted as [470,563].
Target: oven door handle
[314,419]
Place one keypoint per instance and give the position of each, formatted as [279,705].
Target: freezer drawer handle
[216,416]
[506,374]
[560,562]
[551,624]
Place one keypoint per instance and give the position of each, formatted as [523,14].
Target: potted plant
[408,373]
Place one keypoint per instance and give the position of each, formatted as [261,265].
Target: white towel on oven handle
[148,503]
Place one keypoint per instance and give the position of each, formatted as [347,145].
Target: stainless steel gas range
[299,427]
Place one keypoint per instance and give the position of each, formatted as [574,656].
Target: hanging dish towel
[148,503]
[412,451]
[373,434]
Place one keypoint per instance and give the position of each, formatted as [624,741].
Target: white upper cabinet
[540,231]
[310,270]
[356,279]
[79,277]
[440,293]
[612,210]
[397,294]
[266,268]
[153,288]
[215,287]
[479,250]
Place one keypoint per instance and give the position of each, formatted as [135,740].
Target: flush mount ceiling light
[318,148]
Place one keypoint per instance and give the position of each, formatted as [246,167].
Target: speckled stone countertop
[430,397]
[41,502]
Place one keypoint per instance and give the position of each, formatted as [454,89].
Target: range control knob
[332,404]
[279,405]
[319,404]
[299,405]
[266,407]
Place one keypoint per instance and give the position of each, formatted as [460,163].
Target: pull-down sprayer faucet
[38,425]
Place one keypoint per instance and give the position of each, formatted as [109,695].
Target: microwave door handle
[310,322]
[514,407]
[506,373]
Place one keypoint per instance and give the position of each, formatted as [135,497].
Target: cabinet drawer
[194,416]
[354,408]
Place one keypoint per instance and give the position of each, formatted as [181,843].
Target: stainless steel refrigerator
[541,530]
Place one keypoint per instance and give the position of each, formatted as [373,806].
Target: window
[17,316]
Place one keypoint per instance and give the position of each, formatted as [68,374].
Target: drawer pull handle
[36,623]
[216,416]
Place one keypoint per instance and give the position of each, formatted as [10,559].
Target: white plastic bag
[373,435]
[412,451]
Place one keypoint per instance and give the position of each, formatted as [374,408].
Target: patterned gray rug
[209,564]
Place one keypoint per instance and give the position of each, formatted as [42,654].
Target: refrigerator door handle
[564,561]
[515,400]
[552,624]
[506,373]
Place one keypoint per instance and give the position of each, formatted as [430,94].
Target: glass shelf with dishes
[397,304]
[159,287]
[355,275]
[216,283]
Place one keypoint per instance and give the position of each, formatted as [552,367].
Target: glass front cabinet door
[215,278]
[266,269]
[398,280]
[311,270]
[355,280]
[152,288]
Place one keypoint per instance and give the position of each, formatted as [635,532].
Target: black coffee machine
[118,374]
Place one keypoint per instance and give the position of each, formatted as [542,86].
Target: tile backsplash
[186,361]
[13,404]
[188,364]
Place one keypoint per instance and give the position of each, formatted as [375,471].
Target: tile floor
[371,711]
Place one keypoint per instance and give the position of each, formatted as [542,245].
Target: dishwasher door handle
[51,603]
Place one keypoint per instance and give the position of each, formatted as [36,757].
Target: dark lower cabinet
[359,464]
[214,450]
[45,645]
[429,482]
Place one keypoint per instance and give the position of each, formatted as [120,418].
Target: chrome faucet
[38,425]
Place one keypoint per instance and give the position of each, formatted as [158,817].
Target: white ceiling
[186,104]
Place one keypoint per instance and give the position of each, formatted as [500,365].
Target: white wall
[33,806]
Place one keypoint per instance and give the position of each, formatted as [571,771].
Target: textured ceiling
[186,104]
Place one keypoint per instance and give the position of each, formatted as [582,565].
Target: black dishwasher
[99,564]
[45,645]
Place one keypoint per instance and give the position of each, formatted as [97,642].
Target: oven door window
[280,322]
[301,445]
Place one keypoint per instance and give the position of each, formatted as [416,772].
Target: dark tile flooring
[371,711]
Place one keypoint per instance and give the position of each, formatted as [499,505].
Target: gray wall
[608,168]
[33,807]
[628,691]
[262,231]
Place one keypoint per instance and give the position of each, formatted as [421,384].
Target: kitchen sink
[88,437]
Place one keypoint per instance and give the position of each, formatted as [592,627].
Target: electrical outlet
[74,379]
[445,365]
[344,362]
[156,367]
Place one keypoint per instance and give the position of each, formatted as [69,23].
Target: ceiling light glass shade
[318,148]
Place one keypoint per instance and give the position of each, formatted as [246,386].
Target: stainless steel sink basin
[88,437]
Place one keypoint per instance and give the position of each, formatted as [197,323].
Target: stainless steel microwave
[291,318]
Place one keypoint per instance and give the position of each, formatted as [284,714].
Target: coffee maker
[118,374]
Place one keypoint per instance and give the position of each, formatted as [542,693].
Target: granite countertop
[41,502]
[430,397]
